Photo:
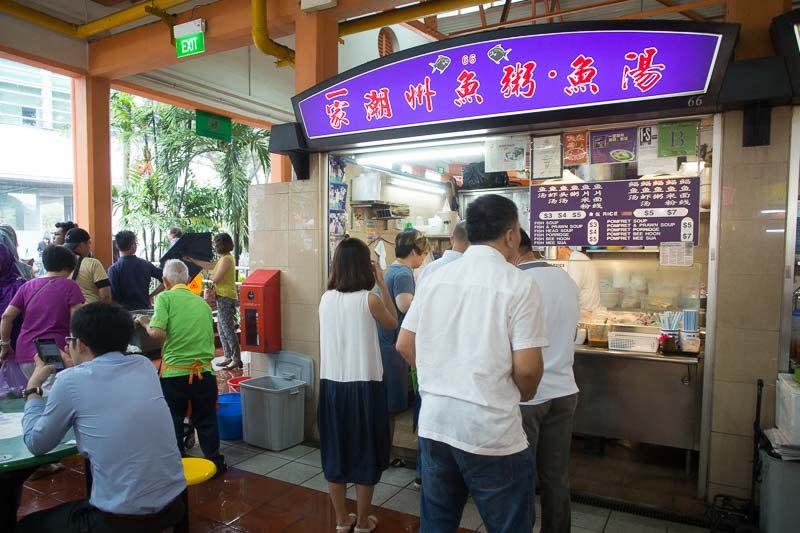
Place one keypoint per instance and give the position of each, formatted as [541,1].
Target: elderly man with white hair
[182,321]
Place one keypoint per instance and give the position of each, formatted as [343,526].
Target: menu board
[616,213]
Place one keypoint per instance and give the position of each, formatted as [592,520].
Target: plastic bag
[12,378]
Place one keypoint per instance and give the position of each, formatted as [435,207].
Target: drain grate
[640,510]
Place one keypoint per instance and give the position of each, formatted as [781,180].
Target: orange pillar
[317,43]
[317,49]
[92,159]
[280,168]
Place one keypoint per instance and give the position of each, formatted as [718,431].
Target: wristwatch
[4,343]
[32,390]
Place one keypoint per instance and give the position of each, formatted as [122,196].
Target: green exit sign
[189,45]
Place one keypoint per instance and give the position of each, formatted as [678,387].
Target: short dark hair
[410,240]
[103,327]
[175,232]
[223,243]
[125,240]
[66,225]
[460,232]
[489,216]
[352,269]
[525,244]
[57,258]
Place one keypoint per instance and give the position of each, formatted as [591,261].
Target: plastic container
[780,485]
[233,383]
[229,416]
[598,335]
[273,409]
[787,407]
[627,341]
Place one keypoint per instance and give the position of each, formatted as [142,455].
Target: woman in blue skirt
[352,416]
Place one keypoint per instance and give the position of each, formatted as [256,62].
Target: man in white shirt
[547,418]
[458,245]
[585,276]
[475,331]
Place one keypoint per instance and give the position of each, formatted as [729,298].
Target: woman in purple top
[46,305]
[10,282]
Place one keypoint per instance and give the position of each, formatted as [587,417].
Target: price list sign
[616,213]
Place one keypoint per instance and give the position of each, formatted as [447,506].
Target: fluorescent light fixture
[781,230]
[420,155]
[773,211]
[422,138]
[417,185]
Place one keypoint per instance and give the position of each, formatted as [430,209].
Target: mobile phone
[49,353]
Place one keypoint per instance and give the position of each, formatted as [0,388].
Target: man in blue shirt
[130,275]
[122,425]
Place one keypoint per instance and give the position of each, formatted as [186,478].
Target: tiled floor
[652,476]
[267,491]
[285,491]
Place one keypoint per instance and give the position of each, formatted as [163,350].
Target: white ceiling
[83,11]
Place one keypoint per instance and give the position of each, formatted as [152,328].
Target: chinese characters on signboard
[616,213]
[513,75]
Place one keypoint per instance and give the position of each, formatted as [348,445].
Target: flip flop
[373,519]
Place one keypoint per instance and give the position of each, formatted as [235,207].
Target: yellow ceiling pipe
[124,16]
[403,14]
[90,29]
[284,54]
[37,17]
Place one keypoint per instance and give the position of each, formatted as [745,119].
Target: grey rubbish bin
[780,485]
[273,412]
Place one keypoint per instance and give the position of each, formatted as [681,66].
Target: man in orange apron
[183,321]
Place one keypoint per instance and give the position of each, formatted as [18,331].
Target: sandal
[347,527]
[374,523]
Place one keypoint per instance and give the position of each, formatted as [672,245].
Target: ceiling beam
[424,30]
[686,13]
[674,9]
[148,47]
[506,10]
[570,11]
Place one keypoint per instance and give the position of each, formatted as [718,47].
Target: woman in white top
[352,415]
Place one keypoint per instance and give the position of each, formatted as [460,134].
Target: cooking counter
[639,396]
[688,359]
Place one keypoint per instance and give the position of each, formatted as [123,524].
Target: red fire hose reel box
[260,310]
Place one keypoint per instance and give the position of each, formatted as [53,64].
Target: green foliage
[159,147]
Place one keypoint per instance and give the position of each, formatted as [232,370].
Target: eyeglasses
[70,340]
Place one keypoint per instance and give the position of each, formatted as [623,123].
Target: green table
[14,455]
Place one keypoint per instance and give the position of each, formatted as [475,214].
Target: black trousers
[11,485]
[202,393]
[80,517]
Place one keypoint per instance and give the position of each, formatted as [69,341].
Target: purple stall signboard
[616,213]
[514,75]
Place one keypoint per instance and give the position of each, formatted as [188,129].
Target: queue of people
[103,386]
[489,328]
